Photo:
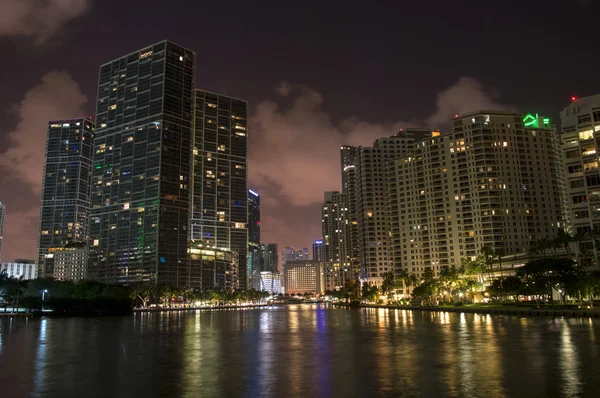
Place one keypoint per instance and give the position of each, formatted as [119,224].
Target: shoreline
[579,313]
[220,307]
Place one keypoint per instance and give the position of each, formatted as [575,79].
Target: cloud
[294,152]
[40,20]
[57,97]
[466,95]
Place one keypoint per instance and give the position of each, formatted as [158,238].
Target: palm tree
[564,239]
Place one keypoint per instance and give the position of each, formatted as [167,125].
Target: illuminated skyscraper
[142,176]
[2,215]
[269,257]
[493,181]
[317,250]
[65,206]
[371,171]
[580,122]
[220,185]
[335,227]
[253,232]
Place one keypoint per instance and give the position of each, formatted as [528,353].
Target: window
[576,168]
[586,135]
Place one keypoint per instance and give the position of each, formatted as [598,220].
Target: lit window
[125,206]
[112,107]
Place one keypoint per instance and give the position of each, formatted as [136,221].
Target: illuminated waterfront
[308,350]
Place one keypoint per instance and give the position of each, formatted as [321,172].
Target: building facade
[269,257]
[290,254]
[337,244]
[348,169]
[65,199]
[491,182]
[141,168]
[253,233]
[266,281]
[212,268]
[68,263]
[304,277]
[220,184]
[317,250]
[580,123]
[20,269]
[371,172]
[2,216]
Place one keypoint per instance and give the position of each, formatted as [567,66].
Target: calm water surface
[301,350]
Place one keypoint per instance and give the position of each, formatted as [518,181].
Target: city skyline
[288,205]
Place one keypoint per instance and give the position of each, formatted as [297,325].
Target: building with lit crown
[65,199]
[493,181]
[317,250]
[254,251]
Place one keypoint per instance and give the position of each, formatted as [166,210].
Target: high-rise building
[65,199]
[371,170]
[492,182]
[2,215]
[304,277]
[253,232]
[220,185]
[337,250]
[142,170]
[269,257]
[580,122]
[266,281]
[348,158]
[290,254]
[317,250]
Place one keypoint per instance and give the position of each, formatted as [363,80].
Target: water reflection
[308,350]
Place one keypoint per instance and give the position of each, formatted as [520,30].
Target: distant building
[371,171]
[212,268]
[68,263]
[65,207]
[317,250]
[18,269]
[337,243]
[2,215]
[290,254]
[269,257]
[266,281]
[304,277]
[253,233]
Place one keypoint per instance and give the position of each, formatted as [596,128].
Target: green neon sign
[534,121]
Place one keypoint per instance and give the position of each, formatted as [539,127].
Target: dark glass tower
[65,198]
[140,196]
[253,233]
[220,185]
[2,214]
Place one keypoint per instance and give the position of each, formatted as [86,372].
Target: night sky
[316,75]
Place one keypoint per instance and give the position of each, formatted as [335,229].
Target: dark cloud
[40,20]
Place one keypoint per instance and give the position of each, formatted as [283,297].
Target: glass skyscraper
[220,184]
[65,198]
[253,232]
[141,167]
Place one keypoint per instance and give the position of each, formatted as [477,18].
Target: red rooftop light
[573,98]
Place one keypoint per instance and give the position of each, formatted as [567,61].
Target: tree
[143,292]
[543,275]
[388,285]
[369,292]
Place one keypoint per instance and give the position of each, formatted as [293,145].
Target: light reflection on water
[308,350]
